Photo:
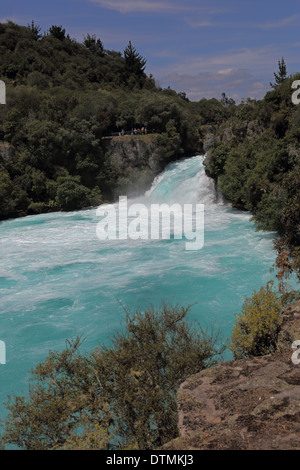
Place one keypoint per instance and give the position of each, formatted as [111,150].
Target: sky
[202,48]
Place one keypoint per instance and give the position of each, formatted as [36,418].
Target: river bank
[250,404]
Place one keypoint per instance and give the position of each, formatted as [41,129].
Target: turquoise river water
[58,280]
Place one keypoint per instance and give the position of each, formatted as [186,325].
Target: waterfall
[184,182]
[59,281]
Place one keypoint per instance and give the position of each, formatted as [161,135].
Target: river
[58,280]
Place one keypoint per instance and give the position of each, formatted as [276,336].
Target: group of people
[142,131]
[135,131]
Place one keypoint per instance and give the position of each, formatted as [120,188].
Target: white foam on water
[58,280]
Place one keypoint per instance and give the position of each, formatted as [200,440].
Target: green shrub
[122,396]
[219,155]
[71,195]
[257,326]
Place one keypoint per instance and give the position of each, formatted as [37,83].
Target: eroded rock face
[136,162]
[290,328]
[254,128]
[252,403]
[228,135]
[209,141]
[7,151]
[135,153]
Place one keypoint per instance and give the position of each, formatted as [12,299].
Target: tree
[170,142]
[122,396]
[134,62]
[58,32]
[6,188]
[218,158]
[71,195]
[94,45]
[226,101]
[281,75]
[183,96]
[63,401]
[35,31]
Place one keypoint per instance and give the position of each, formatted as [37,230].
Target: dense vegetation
[260,170]
[63,97]
[122,396]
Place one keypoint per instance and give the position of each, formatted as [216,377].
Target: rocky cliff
[136,161]
[250,404]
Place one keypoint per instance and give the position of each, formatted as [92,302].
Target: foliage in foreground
[122,396]
[257,326]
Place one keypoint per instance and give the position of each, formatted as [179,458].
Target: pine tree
[35,31]
[281,75]
[134,62]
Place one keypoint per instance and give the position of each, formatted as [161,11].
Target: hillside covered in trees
[64,101]
[255,159]
[64,98]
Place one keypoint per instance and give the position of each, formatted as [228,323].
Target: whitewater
[59,281]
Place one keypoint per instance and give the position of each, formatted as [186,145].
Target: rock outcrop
[128,151]
[249,404]
[7,151]
[136,161]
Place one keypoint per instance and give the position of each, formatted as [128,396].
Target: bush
[257,326]
[72,195]
[219,155]
[122,396]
